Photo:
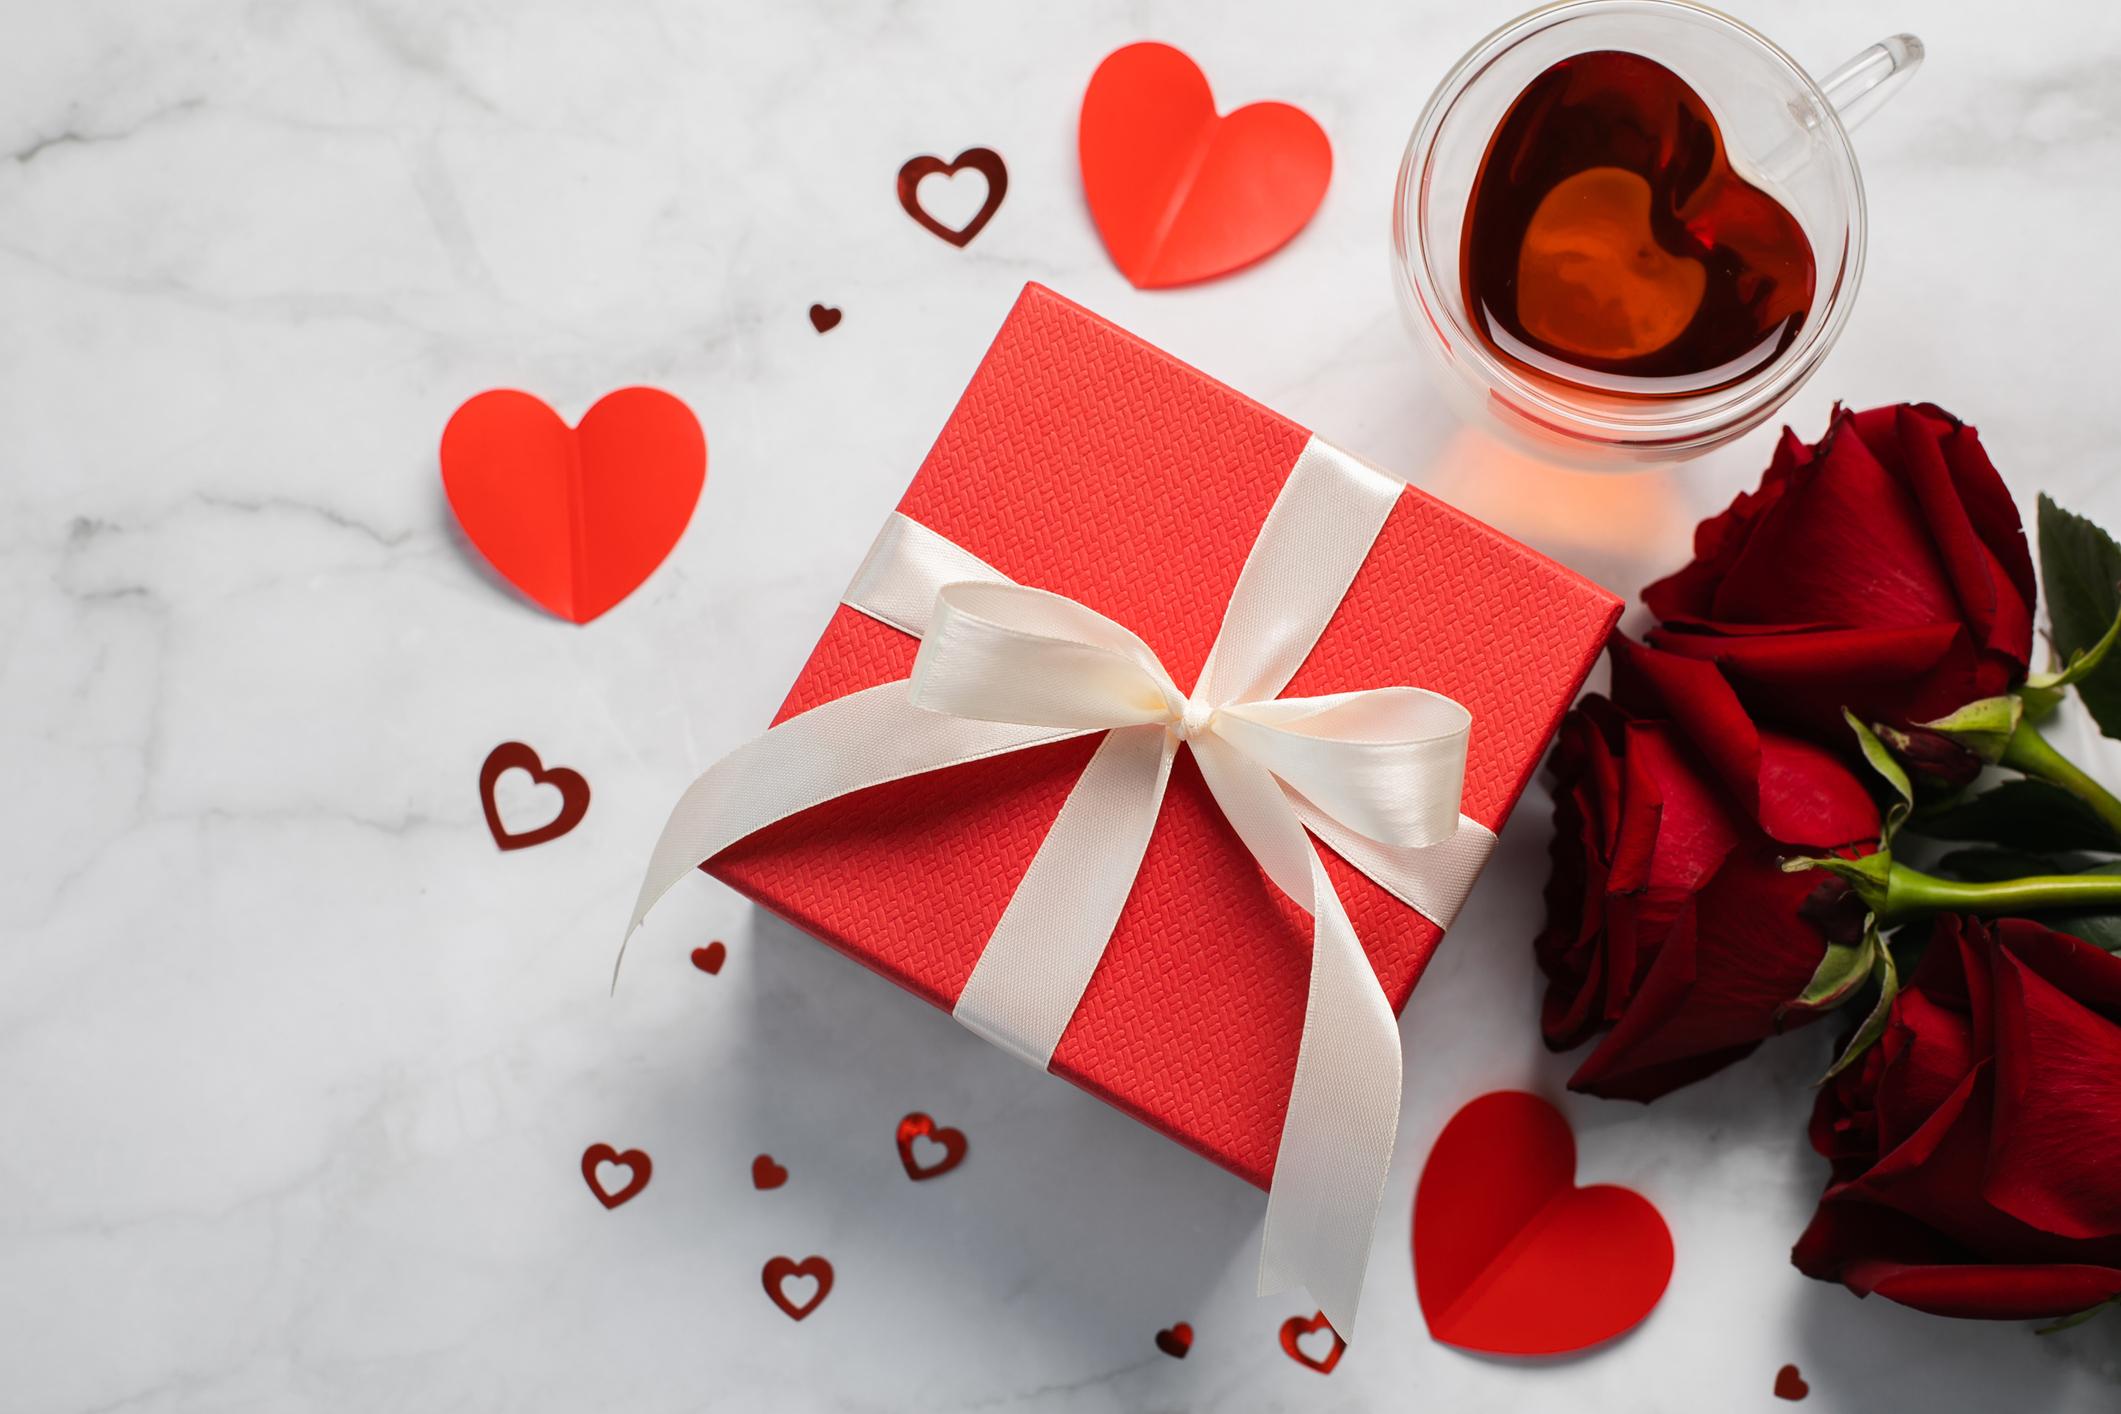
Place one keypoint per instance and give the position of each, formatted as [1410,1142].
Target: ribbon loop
[1389,764]
[1004,653]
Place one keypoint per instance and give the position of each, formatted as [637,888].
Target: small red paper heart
[575,517]
[919,1126]
[1176,1340]
[1296,1328]
[780,1269]
[1512,1258]
[634,1160]
[1789,1384]
[1180,194]
[710,958]
[765,1173]
[824,318]
[983,160]
[515,756]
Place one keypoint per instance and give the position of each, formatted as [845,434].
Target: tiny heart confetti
[918,1126]
[824,318]
[515,756]
[983,160]
[1176,1340]
[710,958]
[1297,1329]
[1180,194]
[1789,1384]
[633,1160]
[574,517]
[780,1270]
[1510,1257]
[765,1173]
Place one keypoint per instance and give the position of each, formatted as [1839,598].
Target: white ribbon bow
[1377,774]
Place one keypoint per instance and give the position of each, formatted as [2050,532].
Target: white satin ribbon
[1376,774]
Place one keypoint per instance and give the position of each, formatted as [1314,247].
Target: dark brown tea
[1609,243]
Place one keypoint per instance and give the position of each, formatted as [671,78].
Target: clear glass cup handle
[1857,89]
[1860,87]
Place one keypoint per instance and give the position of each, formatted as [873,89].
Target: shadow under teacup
[1784,137]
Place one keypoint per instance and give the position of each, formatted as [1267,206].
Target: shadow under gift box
[1083,461]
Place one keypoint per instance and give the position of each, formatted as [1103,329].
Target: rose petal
[2055,1148]
[1999,1292]
[1846,544]
[1988,598]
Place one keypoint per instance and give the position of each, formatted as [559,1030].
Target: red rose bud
[1882,569]
[1932,755]
[1975,1146]
[1671,927]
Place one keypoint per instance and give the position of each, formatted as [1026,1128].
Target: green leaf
[1882,761]
[2081,567]
[1845,967]
[2081,664]
[1982,727]
[2024,814]
[1873,1025]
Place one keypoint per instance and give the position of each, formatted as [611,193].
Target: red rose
[1883,569]
[1670,925]
[1976,1147]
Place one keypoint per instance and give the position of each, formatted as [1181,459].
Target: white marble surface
[296,1069]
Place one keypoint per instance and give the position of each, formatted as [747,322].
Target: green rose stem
[2031,754]
[1909,892]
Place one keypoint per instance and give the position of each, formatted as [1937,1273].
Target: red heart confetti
[765,1173]
[984,160]
[1180,194]
[1789,1384]
[710,958]
[1296,1328]
[1512,1258]
[575,517]
[780,1269]
[515,756]
[635,1160]
[1176,1340]
[824,318]
[919,1126]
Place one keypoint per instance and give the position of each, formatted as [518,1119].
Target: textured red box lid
[1084,461]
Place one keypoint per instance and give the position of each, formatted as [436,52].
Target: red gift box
[1083,461]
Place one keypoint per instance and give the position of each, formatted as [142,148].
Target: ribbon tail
[1336,1145]
[1343,1117]
[864,739]
[1031,976]
[1433,880]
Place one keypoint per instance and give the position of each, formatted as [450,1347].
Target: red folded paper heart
[765,1173]
[1180,194]
[1510,1256]
[515,756]
[1176,1340]
[634,1160]
[575,517]
[918,1125]
[779,1269]
[1296,1327]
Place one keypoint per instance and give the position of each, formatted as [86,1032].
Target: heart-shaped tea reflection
[1609,242]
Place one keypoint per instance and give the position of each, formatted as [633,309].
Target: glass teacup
[1787,132]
